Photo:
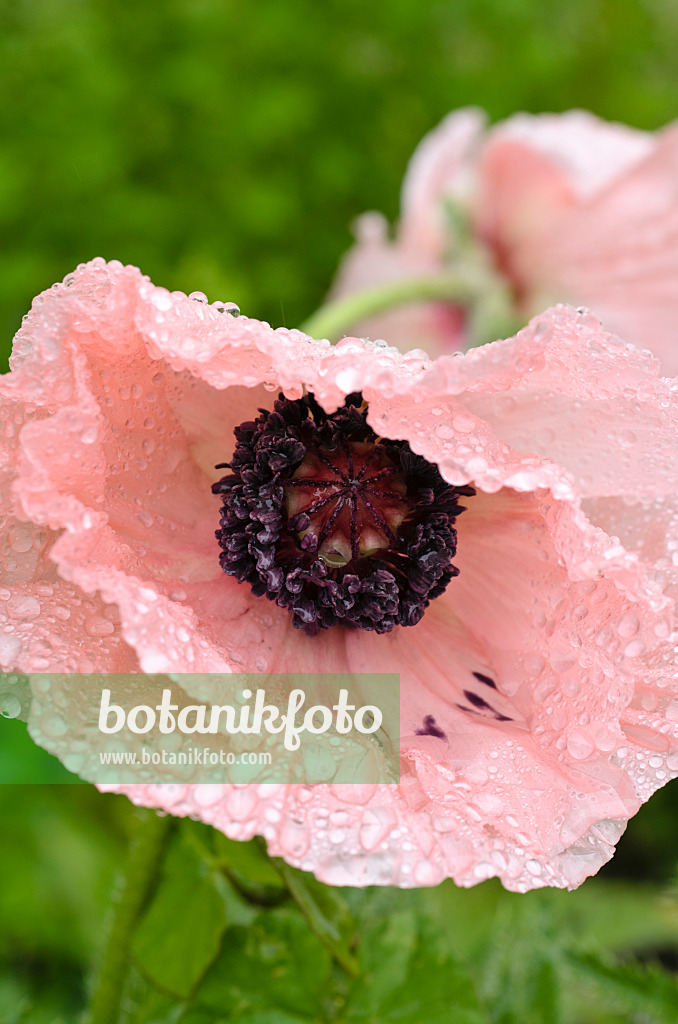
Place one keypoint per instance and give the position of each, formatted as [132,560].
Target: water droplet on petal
[605,739]
[10,705]
[207,795]
[226,307]
[628,626]
[463,424]
[55,726]
[20,539]
[427,873]
[23,606]
[376,824]
[626,438]
[579,745]
[294,839]
[634,648]
[96,625]
[10,648]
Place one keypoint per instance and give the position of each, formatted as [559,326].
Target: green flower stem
[145,857]
[333,320]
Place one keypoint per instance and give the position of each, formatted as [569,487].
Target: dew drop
[10,705]
[20,539]
[463,424]
[89,435]
[294,839]
[672,711]
[10,648]
[579,745]
[55,726]
[96,625]
[426,873]
[376,825]
[626,438]
[226,307]
[207,795]
[23,607]
[649,701]
[634,648]
[605,739]
[628,626]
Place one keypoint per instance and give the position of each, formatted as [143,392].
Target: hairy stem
[144,860]
[336,318]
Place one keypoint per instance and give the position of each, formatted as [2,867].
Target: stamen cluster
[335,524]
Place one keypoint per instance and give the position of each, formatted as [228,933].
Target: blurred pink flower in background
[566,207]
[539,702]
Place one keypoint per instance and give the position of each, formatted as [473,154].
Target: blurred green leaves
[326,914]
[304,959]
[417,957]
[22,762]
[407,974]
[225,936]
[226,147]
[180,934]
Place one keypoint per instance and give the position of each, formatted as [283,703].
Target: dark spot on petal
[469,711]
[485,679]
[430,729]
[476,700]
[481,706]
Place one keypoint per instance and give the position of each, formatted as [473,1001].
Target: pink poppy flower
[567,208]
[539,687]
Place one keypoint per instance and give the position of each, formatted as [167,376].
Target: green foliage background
[226,147]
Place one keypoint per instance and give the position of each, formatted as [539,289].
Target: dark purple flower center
[334,523]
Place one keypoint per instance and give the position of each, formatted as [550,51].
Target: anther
[334,523]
